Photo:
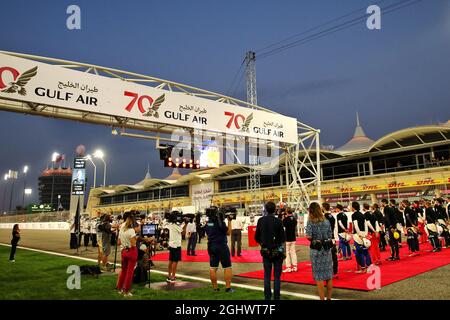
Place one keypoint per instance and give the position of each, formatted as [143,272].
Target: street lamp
[11,175]
[25,170]
[100,155]
[5,178]
[55,156]
[89,157]
[59,202]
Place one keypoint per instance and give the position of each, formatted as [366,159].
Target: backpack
[90,270]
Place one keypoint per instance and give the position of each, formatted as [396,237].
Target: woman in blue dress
[318,231]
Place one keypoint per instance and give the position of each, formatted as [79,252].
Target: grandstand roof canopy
[408,137]
[359,144]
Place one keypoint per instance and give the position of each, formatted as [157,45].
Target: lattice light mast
[255,176]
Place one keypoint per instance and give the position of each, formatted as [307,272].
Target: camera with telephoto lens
[175,217]
[230,213]
[215,214]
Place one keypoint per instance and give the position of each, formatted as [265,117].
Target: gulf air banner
[31,81]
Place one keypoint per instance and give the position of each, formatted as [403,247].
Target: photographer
[218,250]
[175,229]
[191,233]
[236,233]
[271,237]
[105,229]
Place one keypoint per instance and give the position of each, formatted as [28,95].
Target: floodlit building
[54,182]
[411,163]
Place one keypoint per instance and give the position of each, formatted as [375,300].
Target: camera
[175,217]
[215,214]
[230,213]
[150,230]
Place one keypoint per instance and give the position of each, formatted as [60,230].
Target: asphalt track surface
[430,285]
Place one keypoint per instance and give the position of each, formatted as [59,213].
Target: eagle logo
[19,85]
[154,107]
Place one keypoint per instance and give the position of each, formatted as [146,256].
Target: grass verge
[43,276]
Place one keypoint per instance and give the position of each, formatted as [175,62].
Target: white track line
[237,285]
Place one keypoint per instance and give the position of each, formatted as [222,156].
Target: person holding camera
[236,234]
[175,229]
[129,253]
[217,232]
[105,229]
[191,233]
[271,237]
[319,233]
[93,232]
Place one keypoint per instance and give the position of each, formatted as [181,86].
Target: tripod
[115,251]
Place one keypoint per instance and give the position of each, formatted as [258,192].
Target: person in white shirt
[129,253]
[174,246]
[93,231]
[191,234]
[85,226]
[236,235]
[99,241]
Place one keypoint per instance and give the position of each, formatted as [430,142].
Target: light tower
[255,177]
[250,59]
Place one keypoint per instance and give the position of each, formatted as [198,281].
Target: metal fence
[61,216]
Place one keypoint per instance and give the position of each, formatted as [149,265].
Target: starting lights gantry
[299,158]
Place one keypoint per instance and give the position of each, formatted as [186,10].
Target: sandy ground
[430,285]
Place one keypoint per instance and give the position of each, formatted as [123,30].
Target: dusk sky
[396,77]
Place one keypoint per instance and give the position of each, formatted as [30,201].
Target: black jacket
[431,215]
[400,218]
[332,220]
[290,225]
[379,216]
[270,232]
[410,217]
[390,217]
[441,212]
[342,217]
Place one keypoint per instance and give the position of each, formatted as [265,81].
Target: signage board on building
[79,176]
[37,208]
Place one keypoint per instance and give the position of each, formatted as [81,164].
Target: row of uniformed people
[416,221]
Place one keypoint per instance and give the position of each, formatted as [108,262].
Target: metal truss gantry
[297,157]
[255,174]
[305,156]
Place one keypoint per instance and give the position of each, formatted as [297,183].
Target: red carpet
[390,271]
[302,242]
[248,256]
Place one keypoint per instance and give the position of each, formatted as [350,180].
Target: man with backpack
[271,237]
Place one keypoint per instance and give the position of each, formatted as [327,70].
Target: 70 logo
[139,100]
[236,119]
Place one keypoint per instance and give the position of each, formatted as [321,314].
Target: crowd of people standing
[343,232]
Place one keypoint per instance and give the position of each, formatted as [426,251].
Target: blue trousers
[362,256]
[277,266]
[345,247]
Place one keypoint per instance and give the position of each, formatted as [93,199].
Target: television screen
[210,157]
[149,230]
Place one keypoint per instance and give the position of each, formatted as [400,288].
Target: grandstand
[409,163]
